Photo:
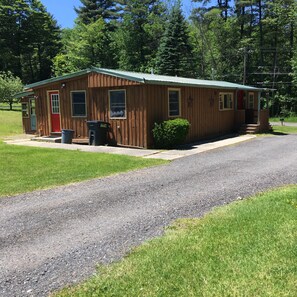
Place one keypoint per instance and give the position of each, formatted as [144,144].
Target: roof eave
[248,88]
[57,79]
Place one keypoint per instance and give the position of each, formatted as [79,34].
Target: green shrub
[170,133]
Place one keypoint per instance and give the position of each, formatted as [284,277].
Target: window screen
[79,104]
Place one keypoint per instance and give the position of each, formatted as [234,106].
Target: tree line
[246,41]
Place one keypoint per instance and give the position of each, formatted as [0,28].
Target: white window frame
[109,105]
[25,110]
[78,116]
[221,95]
[251,99]
[179,102]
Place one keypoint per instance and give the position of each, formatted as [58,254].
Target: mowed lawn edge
[247,248]
[24,169]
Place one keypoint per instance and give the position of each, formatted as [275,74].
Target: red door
[55,111]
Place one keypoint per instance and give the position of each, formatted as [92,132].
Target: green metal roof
[23,94]
[152,79]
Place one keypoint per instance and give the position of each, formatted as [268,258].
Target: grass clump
[248,248]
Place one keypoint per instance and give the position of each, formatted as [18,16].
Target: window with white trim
[25,110]
[174,102]
[226,101]
[78,99]
[251,100]
[117,103]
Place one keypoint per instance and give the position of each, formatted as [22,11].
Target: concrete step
[53,139]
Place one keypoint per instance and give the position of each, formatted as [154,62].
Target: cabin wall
[130,131]
[78,124]
[200,106]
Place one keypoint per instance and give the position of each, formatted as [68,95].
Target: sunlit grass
[24,169]
[248,248]
[289,119]
[10,123]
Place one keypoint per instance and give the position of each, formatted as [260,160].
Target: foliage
[92,10]
[138,36]
[84,46]
[247,248]
[175,54]
[170,133]
[9,86]
[284,105]
[29,39]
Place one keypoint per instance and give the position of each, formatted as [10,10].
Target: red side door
[55,111]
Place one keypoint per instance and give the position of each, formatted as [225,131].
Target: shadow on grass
[7,109]
[274,133]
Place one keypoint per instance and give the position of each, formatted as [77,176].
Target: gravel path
[52,238]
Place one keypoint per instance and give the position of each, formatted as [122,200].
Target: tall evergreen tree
[92,10]
[85,46]
[139,34]
[29,39]
[175,54]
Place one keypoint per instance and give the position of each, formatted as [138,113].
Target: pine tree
[92,10]
[175,54]
[29,39]
[139,34]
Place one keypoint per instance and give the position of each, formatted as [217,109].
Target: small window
[251,101]
[117,103]
[25,110]
[174,102]
[226,101]
[79,104]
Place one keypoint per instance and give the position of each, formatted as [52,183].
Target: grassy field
[248,248]
[24,169]
[10,123]
[289,119]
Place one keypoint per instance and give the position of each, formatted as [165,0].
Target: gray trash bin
[98,132]
[67,136]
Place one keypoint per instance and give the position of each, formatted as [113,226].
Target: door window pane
[55,104]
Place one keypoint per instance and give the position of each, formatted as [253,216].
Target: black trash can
[67,136]
[98,132]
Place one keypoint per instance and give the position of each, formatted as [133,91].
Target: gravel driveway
[52,238]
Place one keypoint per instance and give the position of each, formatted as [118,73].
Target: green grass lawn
[24,169]
[10,123]
[284,129]
[248,248]
[289,119]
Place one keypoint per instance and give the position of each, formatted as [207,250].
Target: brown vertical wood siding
[145,105]
[200,106]
[96,80]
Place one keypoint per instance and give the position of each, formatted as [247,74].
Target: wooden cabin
[132,102]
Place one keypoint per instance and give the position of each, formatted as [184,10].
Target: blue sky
[63,10]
